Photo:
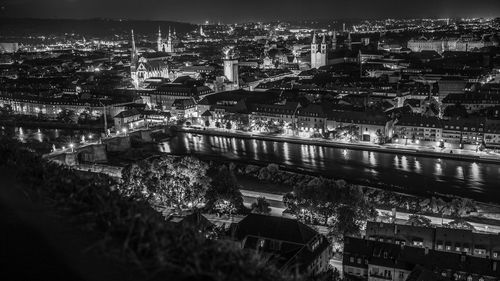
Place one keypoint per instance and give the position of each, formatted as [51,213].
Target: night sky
[227,11]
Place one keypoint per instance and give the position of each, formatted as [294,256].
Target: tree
[67,116]
[261,206]
[167,182]
[207,123]
[6,110]
[345,223]
[84,117]
[228,125]
[417,220]
[462,206]
[460,224]
[224,196]
[217,124]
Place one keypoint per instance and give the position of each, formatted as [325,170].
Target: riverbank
[463,155]
[50,125]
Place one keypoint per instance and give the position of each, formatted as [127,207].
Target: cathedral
[143,68]
[319,55]
[170,45]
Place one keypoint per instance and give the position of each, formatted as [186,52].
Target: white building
[319,55]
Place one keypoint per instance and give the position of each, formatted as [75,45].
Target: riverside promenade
[411,149]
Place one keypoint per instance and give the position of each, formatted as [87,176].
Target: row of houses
[400,252]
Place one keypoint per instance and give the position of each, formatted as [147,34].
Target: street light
[124,130]
[72,146]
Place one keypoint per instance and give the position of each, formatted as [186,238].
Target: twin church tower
[166,46]
[319,53]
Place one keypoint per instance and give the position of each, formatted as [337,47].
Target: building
[285,113]
[418,128]
[334,41]
[292,245]
[319,56]
[142,68]
[492,134]
[473,102]
[231,71]
[128,119]
[311,118]
[464,131]
[234,102]
[370,126]
[183,87]
[50,107]
[376,261]
[165,46]
[8,47]
[184,108]
[451,85]
[436,238]
[462,44]
[171,45]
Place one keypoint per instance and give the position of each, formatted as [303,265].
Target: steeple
[314,38]
[349,41]
[134,52]
[159,40]
[323,45]
[334,40]
[169,33]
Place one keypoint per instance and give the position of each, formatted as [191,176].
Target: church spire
[133,44]
[159,40]
[314,38]
[324,40]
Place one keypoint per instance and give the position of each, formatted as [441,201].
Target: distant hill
[101,28]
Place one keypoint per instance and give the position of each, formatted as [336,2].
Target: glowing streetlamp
[72,146]
[124,130]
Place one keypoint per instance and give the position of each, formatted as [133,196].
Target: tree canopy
[224,196]
[167,181]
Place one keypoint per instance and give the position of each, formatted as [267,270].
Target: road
[276,203]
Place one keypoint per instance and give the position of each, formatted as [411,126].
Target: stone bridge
[95,153]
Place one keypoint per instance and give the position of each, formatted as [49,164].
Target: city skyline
[262,140]
[259,10]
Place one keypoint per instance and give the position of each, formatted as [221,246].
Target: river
[414,174]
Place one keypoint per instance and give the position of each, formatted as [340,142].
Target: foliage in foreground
[130,229]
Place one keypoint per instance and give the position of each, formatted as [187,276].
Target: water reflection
[414,173]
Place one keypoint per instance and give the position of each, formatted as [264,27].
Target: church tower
[334,41]
[159,41]
[169,48]
[318,53]
[348,41]
[314,46]
[323,46]
[133,62]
